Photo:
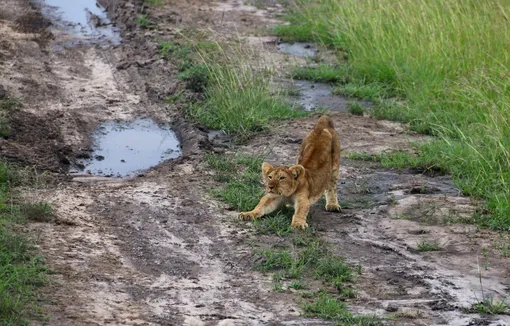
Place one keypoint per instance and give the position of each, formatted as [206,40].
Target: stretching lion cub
[303,184]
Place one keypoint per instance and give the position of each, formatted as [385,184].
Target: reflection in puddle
[125,148]
[298,49]
[82,17]
[315,96]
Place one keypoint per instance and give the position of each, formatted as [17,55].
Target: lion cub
[303,184]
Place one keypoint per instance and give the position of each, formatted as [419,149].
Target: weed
[333,269]
[144,21]
[490,307]
[322,73]
[436,68]
[40,211]
[277,223]
[275,260]
[485,254]
[296,285]
[428,246]
[278,287]
[328,307]
[356,109]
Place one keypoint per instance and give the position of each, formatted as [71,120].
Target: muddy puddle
[315,96]
[84,18]
[298,49]
[123,149]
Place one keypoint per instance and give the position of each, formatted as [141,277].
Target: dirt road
[156,248]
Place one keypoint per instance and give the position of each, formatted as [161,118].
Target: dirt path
[156,249]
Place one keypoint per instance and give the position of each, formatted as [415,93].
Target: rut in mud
[154,248]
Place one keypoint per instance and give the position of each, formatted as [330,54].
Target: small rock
[391,308]
[99,157]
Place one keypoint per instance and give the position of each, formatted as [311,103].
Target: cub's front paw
[301,225]
[247,216]
[333,208]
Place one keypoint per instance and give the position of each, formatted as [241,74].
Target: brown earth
[157,249]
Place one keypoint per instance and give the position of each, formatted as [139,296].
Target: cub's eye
[269,177]
[282,178]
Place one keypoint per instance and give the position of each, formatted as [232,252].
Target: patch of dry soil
[156,249]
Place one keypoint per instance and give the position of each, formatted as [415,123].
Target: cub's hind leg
[332,204]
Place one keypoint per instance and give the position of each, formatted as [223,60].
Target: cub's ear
[266,168]
[297,171]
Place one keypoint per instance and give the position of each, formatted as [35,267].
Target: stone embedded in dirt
[3,92]
[391,308]
[99,157]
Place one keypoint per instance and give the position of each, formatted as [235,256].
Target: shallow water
[298,49]
[82,17]
[123,149]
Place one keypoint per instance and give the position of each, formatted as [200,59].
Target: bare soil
[156,249]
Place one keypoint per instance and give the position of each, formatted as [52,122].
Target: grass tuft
[144,21]
[356,109]
[428,246]
[328,307]
[323,73]
[491,307]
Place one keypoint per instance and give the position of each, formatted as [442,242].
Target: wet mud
[155,248]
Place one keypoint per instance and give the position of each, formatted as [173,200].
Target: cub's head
[282,180]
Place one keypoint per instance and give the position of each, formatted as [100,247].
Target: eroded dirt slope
[157,249]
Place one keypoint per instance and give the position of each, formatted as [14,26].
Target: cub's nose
[270,186]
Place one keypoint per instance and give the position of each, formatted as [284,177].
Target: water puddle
[85,18]
[123,149]
[314,96]
[298,49]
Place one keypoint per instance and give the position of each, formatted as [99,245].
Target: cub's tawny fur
[303,184]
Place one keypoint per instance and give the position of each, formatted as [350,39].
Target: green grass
[428,246]
[356,109]
[491,307]
[144,21]
[296,285]
[322,73]
[241,176]
[154,2]
[21,270]
[367,91]
[450,63]
[39,211]
[328,307]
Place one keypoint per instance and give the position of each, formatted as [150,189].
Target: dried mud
[156,249]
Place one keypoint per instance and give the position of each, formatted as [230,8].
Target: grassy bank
[238,95]
[447,62]
[21,270]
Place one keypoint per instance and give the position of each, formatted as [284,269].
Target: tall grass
[450,60]
[240,96]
